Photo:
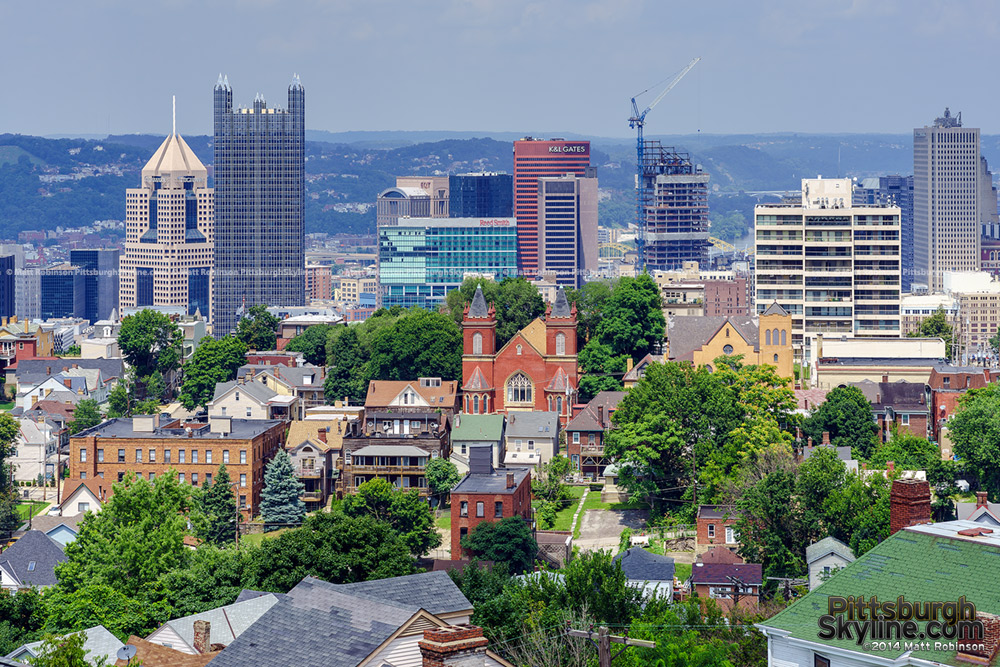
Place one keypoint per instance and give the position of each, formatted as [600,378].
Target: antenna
[175,113]
[127,652]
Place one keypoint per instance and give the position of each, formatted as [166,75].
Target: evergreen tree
[279,502]
[219,507]
[85,415]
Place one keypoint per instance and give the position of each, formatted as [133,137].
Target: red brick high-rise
[533,159]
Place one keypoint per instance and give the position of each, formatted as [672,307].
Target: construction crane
[637,122]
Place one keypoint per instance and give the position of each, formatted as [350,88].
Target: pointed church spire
[561,306]
[478,308]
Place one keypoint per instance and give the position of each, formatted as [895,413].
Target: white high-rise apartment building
[946,200]
[833,266]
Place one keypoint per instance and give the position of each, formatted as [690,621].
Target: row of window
[181,456]
[481,509]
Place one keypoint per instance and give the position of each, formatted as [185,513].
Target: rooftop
[495,482]
[124,427]
[750,574]
[532,424]
[477,427]
[639,564]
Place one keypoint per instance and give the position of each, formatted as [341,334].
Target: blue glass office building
[259,204]
[486,195]
[422,259]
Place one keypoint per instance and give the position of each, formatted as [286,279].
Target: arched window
[518,350]
[519,389]
[550,404]
[783,339]
[767,337]
[475,404]
[559,404]
[560,343]
[774,336]
[477,343]
[775,359]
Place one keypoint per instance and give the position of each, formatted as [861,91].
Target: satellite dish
[127,652]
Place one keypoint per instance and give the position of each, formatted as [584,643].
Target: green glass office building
[422,259]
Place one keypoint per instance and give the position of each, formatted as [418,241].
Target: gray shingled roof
[478,306]
[775,309]
[901,396]
[33,371]
[640,565]
[587,419]
[495,482]
[750,574]
[292,375]
[390,450]
[561,306]
[687,333]
[122,427]
[532,424]
[828,545]
[98,642]
[227,623]
[37,551]
[256,390]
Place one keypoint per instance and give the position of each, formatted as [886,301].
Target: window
[121,476]
[194,479]
[464,448]
[208,478]
[463,508]
[711,530]
[730,535]
[576,437]
[181,456]
[243,479]
[249,411]
[121,456]
[477,343]
[83,474]
[100,456]
[767,336]
[208,456]
[783,339]
[519,350]
[519,389]
[475,404]
[152,456]
[498,510]
[82,507]
[83,456]
[728,349]
[243,456]
[820,661]
[904,420]
[223,411]
[480,508]
[775,358]
[591,439]
[560,343]
[152,476]
[31,566]
[194,456]
[166,456]
[180,477]
[947,382]
[138,456]
[225,456]
[243,502]
[531,444]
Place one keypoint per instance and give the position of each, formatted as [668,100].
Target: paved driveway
[601,529]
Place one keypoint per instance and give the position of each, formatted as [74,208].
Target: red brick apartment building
[151,445]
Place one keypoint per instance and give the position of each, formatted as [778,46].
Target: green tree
[150,341]
[347,376]
[9,519]
[103,604]
[135,538]
[907,451]
[516,301]
[994,343]
[85,415]
[590,301]
[213,362]
[602,370]
[312,343]
[258,329]
[770,525]
[442,476]
[975,434]
[847,416]
[407,513]
[632,321]
[730,226]
[547,484]
[936,326]
[65,651]
[119,402]
[219,508]
[22,617]
[279,501]
[212,578]
[508,541]
[72,351]
[421,343]
[154,387]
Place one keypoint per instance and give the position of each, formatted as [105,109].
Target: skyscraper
[169,230]
[567,228]
[946,197]
[534,159]
[259,205]
[7,268]
[674,201]
[484,195]
[100,281]
[893,190]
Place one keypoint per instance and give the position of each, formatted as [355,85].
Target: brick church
[535,370]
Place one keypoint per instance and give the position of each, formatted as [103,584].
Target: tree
[213,362]
[407,513]
[312,343]
[150,341]
[547,483]
[590,301]
[907,451]
[154,387]
[421,343]
[632,321]
[508,541]
[847,416]
[279,501]
[9,519]
[602,371]
[72,351]
[22,616]
[347,376]
[258,329]
[119,402]
[103,604]
[770,526]
[516,301]
[975,434]
[442,475]
[219,507]
[66,651]
[85,415]
[936,326]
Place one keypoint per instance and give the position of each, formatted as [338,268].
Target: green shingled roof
[921,567]
[478,428]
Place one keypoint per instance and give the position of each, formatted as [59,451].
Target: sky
[869,66]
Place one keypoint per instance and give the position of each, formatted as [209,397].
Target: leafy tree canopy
[150,341]
[590,301]
[847,415]
[312,343]
[219,508]
[421,343]
[407,513]
[9,519]
[602,370]
[936,326]
[517,303]
[508,541]
[85,415]
[258,329]
[975,434]
[347,375]
[213,362]
[442,475]
[632,321]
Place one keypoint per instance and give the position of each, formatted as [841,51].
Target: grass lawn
[564,517]
[682,571]
[6,405]
[443,522]
[36,508]
[257,538]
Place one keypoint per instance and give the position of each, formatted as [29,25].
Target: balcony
[311,496]
[309,473]
[387,470]
[592,450]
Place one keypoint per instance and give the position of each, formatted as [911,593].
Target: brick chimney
[510,480]
[909,504]
[982,499]
[885,377]
[452,646]
[600,415]
[68,383]
[322,434]
[826,437]
[202,634]
[980,650]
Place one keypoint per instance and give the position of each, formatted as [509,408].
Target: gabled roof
[477,381]
[382,392]
[750,574]
[532,335]
[724,512]
[47,524]
[31,561]
[477,428]
[533,424]
[639,564]
[258,391]
[96,487]
[828,545]
[990,514]
[32,371]
[901,396]
[775,309]
[149,654]
[587,419]
[227,623]
[292,376]
[688,333]
[635,373]
[302,431]
[560,382]
[98,642]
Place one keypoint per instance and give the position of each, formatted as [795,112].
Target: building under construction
[673,200]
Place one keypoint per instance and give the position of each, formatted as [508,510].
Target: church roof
[775,309]
[174,156]
[561,306]
[477,382]
[478,307]
[559,382]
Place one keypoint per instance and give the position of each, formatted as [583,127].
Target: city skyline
[494,48]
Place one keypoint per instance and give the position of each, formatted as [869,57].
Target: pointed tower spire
[561,306]
[174,132]
[478,307]
[219,84]
[225,82]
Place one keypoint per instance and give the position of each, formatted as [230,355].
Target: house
[84,382]
[532,438]
[729,584]
[62,529]
[585,434]
[947,384]
[535,370]
[217,627]
[315,448]
[21,339]
[982,511]
[31,561]
[84,495]
[30,372]
[636,372]
[36,450]
[476,430]
[98,643]
[412,620]
[303,381]
[765,339]
[274,358]
[427,394]
[252,399]
[825,557]
[57,412]
[902,405]
[719,555]
[487,494]
[652,573]
[716,525]
[149,654]
[843,453]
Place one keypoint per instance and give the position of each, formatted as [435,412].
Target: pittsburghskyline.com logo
[875,624]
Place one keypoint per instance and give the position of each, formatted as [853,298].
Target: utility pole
[604,642]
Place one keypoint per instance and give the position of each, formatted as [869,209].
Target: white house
[35,447]
[826,557]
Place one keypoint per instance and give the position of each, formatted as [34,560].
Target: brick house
[729,584]
[534,370]
[315,447]
[946,385]
[585,434]
[903,404]
[487,494]
[275,358]
[716,526]
[151,445]
[427,394]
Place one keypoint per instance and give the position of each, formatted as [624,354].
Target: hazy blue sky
[513,65]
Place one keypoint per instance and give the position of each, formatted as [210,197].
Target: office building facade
[535,159]
[484,195]
[422,260]
[567,228]
[100,279]
[7,267]
[169,233]
[27,287]
[413,197]
[833,266]
[63,292]
[259,175]
[674,202]
[946,198]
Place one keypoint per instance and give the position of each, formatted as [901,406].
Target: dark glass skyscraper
[259,204]
[894,190]
[487,195]
[100,280]
[8,265]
